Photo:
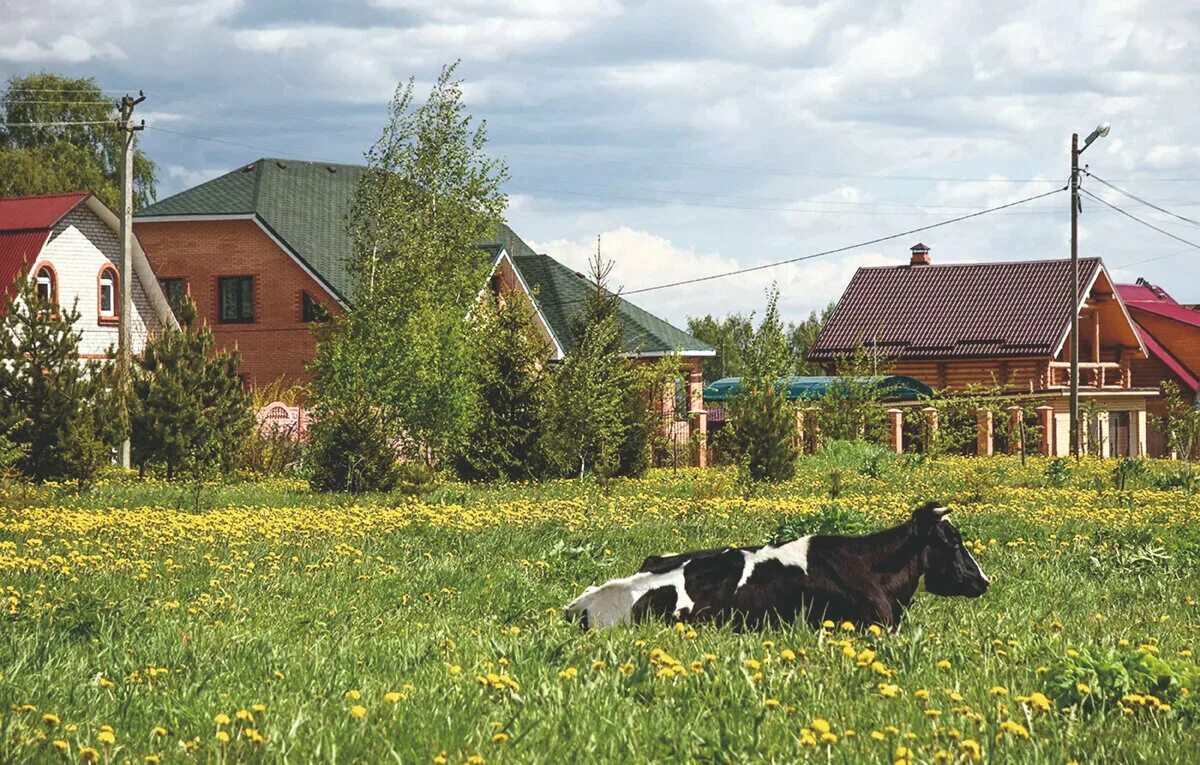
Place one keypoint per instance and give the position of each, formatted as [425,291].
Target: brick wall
[277,344]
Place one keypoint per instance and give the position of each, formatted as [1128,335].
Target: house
[1006,324]
[1171,334]
[70,245]
[263,251]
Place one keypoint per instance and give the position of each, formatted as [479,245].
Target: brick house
[1003,323]
[263,251]
[69,244]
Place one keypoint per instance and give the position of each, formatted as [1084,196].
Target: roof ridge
[45,196]
[977,263]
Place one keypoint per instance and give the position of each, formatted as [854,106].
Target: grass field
[271,624]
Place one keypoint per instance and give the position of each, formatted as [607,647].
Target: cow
[863,580]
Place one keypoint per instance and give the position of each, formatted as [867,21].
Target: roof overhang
[1116,295]
[559,352]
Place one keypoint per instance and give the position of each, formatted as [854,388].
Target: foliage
[272,448]
[586,412]
[763,421]
[652,404]
[429,196]
[1135,680]
[1058,471]
[190,412]
[829,518]
[802,336]
[732,336]
[511,359]
[51,409]
[1128,471]
[1180,423]
[852,407]
[349,448]
[54,158]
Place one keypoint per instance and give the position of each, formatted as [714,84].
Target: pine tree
[586,408]
[763,420]
[512,358]
[191,412]
[46,397]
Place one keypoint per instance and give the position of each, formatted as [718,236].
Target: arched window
[47,287]
[108,293]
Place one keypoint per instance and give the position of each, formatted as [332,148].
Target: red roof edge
[38,213]
[1162,354]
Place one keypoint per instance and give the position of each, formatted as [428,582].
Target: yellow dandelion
[358,711]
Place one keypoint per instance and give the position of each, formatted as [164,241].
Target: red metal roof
[1147,297]
[26,213]
[955,310]
[25,223]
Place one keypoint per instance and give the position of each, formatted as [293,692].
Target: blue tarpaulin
[891,387]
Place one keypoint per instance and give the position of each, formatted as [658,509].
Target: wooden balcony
[1092,374]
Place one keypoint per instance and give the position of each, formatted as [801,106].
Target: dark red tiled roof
[956,310]
[27,213]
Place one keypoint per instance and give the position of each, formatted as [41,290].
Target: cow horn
[941,511]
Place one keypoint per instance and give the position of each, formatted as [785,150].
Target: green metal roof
[892,387]
[306,205]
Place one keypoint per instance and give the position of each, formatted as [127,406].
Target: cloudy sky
[701,136]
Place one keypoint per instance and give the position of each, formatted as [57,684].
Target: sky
[703,136]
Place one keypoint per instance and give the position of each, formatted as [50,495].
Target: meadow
[260,622]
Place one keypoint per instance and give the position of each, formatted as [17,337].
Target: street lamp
[1100,131]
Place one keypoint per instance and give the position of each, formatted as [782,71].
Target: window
[47,290]
[176,291]
[311,310]
[237,298]
[108,293]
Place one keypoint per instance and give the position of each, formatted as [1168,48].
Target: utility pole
[125,287]
[1100,131]
[1074,295]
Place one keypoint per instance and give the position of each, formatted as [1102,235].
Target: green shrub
[1095,681]
[350,452]
[831,518]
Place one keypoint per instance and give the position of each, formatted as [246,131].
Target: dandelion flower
[223,737]
[787,654]
[943,664]
[50,719]
[106,737]
[999,690]
[353,694]
[88,754]
[61,745]
[358,711]
[391,697]
[221,718]
[500,738]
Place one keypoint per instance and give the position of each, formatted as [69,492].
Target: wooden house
[1003,324]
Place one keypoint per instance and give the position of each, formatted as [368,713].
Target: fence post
[895,418]
[1045,415]
[800,430]
[1137,433]
[983,439]
[816,436]
[1015,446]
[698,416]
[931,426]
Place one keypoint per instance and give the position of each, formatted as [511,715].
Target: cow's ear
[928,514]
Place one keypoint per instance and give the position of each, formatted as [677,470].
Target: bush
[350,452]
[830,518]
[1138,680]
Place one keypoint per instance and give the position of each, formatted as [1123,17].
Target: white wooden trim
[682,354]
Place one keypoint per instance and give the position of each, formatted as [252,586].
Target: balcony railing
[1093,374]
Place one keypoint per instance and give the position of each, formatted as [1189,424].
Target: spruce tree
[47,409]
[586,406]
[511,358]
[763,432]
[191,412]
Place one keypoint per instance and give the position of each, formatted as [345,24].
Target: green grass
[272,595]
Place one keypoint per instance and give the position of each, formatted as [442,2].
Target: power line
[772,171]
[1130,215]
[823,253]
[271,152]
[61,101]
[1135,197]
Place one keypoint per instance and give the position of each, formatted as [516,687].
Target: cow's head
[950,569]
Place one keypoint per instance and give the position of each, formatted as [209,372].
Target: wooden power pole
[1075,295]
[125,287]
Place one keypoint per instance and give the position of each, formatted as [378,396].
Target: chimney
[920,255]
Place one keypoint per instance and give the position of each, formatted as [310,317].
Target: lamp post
[1100,131]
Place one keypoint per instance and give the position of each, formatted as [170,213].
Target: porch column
[1104,445]
[983,436]
[1045,415]
[895,419]
[1137,433]
[698,415]
[1015,446]
[931,425]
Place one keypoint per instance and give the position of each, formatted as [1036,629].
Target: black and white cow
[864,580]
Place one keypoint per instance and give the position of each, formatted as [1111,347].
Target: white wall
[78,247]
